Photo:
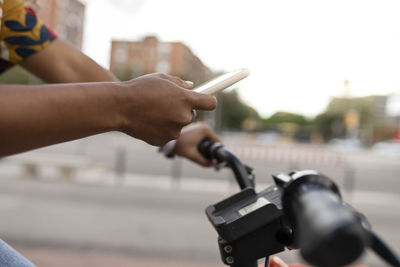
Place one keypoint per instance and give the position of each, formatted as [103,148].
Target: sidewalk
[46,257]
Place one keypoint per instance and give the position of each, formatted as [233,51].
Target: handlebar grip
[204,147]
[212,150]
[215,151]
[329,235]
[326,231]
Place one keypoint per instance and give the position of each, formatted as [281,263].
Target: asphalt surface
[132,223]
[146,218]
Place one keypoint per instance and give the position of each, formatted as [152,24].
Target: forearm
[36,116]
[62,63]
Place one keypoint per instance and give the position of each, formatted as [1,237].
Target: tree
[286,117]
[370,123]
[290,125]
[233,112]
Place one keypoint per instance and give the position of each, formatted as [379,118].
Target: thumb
[276,262]
[202,101]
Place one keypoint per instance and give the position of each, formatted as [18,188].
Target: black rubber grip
[212,150]
[215,151]
[327,232]
[204,148]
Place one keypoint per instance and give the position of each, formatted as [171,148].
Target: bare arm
[36,116]
[153,108]
[60,62]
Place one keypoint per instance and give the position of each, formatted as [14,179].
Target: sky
[299,53]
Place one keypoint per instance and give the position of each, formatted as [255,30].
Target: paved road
[131,224]
[358,169]
[147,219]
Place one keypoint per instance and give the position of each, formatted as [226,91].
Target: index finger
[210,134]
[179,81]
[202,101]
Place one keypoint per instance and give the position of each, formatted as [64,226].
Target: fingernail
[189,83]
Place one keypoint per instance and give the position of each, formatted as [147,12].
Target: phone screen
[225,80]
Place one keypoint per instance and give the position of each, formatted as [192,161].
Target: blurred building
[65,17]
[372,107]
[131,59]
[393,110]
[366,116]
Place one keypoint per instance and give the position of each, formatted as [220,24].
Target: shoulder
[21,32]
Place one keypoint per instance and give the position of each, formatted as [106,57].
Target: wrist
[123,104]
[107,106]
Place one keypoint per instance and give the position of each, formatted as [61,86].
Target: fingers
[197,100]
[191,136]
[202,101]
[189,84]
[199,159]
[179,81]
[276,262]
[212,135]
[208,133]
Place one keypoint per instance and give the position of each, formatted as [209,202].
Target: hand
[156,107]
[191,136]
[277,262]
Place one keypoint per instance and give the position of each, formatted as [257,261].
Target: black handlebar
[328,232]
[215,151]
[310,212]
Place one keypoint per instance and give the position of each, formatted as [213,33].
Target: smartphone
[222,82]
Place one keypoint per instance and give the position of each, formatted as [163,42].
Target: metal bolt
[229,260]
[228,249]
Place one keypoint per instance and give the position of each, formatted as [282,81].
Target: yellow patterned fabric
[21,33]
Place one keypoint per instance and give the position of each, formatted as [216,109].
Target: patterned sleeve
[21,33]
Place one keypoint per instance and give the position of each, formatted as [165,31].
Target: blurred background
[323,93]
